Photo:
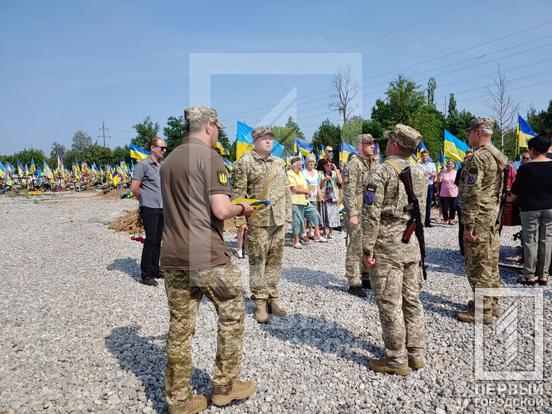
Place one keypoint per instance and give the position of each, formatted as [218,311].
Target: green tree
[100,155]
[429,122]
[540,121]
[57,148]
[145,131]
[374,128]
[81,141]
[352,129]
[285,136]
[295,126]
[174,132]
[431,86]
[403,99]
[327,134]
[26,155]
[120,153]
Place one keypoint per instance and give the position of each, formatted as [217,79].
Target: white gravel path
[80,334]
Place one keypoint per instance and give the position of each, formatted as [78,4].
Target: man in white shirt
[431,171]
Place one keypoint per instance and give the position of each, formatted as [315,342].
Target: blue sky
[69,65]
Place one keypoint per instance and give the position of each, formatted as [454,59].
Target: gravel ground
[80,334]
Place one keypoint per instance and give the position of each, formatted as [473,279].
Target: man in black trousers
[146,187]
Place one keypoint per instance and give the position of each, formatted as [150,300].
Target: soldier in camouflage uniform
[260,175]
[480,190]
[196,262]
[354,183]
[395,274]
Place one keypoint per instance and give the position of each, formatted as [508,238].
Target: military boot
[357,291]
[275,308]
[469,316]
[198,404]
[415,362]
[240,390]
[496,307]
[366,284]
[385,367]
[260,311]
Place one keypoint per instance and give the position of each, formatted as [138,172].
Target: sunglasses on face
[524,158]
[162,148]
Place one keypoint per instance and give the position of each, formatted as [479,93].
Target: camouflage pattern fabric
[266,250]
[201,115]
[396,277]
[355,176]
[222,285]
[263,178]
[479,191]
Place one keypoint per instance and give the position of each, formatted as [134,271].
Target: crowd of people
[385,203]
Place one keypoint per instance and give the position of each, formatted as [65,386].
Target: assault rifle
[414,224]
[503,196]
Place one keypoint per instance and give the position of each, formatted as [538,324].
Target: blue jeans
[429,200]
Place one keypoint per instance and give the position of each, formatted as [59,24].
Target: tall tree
[346,89]
[540,121]
[295,126]
[452,106]
[174,132]
[57,148]
[81,141]
[503,107]
[431,86]
[429,122]
[145,131]
[327,134]
[352,129]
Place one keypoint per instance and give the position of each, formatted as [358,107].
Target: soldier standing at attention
[480,190]
[354,183]
[395,266]
[196,262]
[260,175]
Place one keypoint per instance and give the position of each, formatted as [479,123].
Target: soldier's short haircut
[424,152]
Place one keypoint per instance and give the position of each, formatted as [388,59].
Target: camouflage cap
[365,139]
[486,124]
[261,131]
[201,115]
[407,137]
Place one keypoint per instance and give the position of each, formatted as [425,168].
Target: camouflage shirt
[263,178]
[384,217]
[355,175]
[480,187]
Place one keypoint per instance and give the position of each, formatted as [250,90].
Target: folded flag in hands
[256,204]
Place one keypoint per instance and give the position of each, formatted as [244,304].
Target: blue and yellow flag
[10,168]
[115,178]
[244,140]
[441,164]
[20,169]
[455,149]
[345,151]
[302,147]
[277,149]
[138,153]
[228,164]
[524,132]
[222,151]
[256,204]
[32,168]
[3,170]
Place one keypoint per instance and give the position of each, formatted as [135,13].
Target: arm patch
[369,194]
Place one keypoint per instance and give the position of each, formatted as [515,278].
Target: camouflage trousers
[481,258]
[354,269]
[265,247]
[396,288]
[222,285]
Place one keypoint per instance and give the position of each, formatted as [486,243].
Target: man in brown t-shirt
[196,262]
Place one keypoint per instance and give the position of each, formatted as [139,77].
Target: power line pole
[103,130]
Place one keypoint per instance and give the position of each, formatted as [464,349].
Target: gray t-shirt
[428,169]
[147,172]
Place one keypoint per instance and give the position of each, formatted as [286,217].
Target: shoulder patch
[472,178]
[222,177]
[369,194]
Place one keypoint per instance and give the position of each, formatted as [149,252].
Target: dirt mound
[129,223]
[113,194]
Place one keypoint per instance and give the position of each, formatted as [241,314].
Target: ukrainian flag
[441,160]
[244,140]
[256,204]
[524,132]
[3,170]
[455,149]
[302,147]
[138,153]
[115,178]
[32,168]
[277,149]
[345,150]
[228,164]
